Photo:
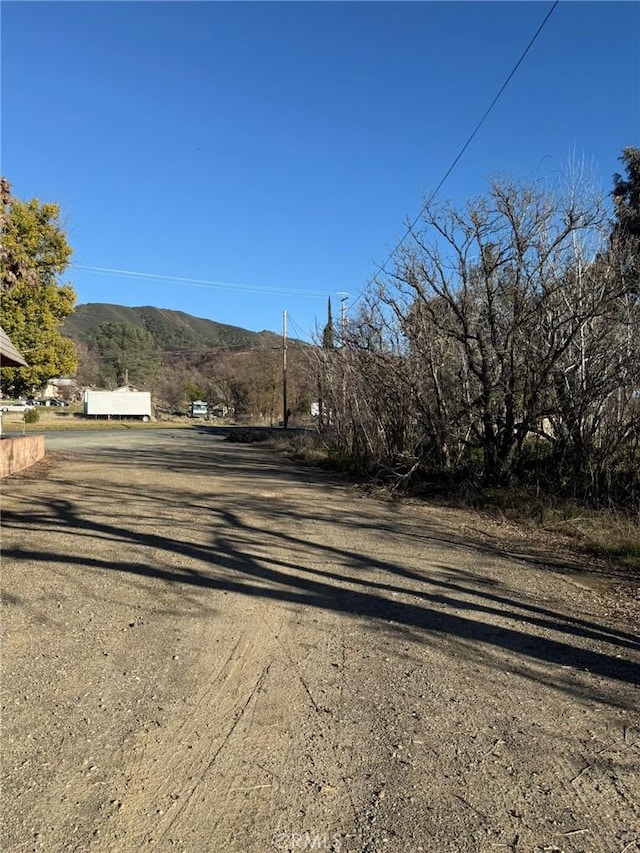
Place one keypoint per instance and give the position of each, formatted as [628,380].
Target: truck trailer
[117,404]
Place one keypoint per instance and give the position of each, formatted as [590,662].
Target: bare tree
[505,323]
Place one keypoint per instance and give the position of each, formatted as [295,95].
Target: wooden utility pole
[285,408]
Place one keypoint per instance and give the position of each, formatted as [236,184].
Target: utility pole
[343,354]
[343,317]
[343,324]
[285,408]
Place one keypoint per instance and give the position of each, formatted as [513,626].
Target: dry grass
[304,447]
[608,534]
[55,419]
[604,533]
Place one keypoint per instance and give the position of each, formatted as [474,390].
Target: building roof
[9,355]
[63,382]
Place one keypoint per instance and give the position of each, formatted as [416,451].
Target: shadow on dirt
[257,544]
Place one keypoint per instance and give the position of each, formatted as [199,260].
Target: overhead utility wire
[308,350]
[415,220]
[239,349]
[297,328]
[197,282]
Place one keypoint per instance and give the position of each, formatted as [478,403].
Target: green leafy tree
[127,353]
[194,391]
[33,305]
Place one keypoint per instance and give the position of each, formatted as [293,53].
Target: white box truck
[118,404]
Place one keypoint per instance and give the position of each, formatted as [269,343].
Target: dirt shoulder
[206,648]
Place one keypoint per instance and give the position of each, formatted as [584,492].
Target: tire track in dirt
[204,769]
[182,778]
[282,659]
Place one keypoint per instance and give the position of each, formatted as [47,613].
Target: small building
[66,389]
[9,355]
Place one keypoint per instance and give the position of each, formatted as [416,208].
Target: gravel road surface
[209,649]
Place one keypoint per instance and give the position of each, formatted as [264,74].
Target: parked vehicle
[20,406]
[199,409]
[118,404]
[48,401]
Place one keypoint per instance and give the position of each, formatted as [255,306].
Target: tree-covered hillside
[179,358]
[170,330]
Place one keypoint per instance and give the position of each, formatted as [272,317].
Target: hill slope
[171,330]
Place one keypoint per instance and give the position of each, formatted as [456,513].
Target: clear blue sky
[282,146]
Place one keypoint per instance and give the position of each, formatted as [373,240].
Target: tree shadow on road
[259,545]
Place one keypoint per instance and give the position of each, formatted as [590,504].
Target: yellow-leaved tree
[33,304]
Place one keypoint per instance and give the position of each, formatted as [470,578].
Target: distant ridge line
[173,331]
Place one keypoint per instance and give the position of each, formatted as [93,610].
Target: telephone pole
[285,408]
[343,316]
[343,325]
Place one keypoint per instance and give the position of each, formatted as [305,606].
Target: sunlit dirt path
[207,648]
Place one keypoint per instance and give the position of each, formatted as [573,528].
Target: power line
[308,350]
[222,348]
[206,283]
[296,326]
[238,349]
[412,224]
[322,294]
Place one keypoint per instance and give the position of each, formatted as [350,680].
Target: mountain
[193,358]
[171,330]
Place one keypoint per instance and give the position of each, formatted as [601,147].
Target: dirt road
[209,649]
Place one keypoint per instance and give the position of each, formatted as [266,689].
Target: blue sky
[280,147]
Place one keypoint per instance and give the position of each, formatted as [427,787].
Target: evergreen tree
[127,353]
[327,332]
[625,235]
[626,195]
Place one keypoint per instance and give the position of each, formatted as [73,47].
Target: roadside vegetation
[495,362]
[497,366]
[606,534]
[502,352]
